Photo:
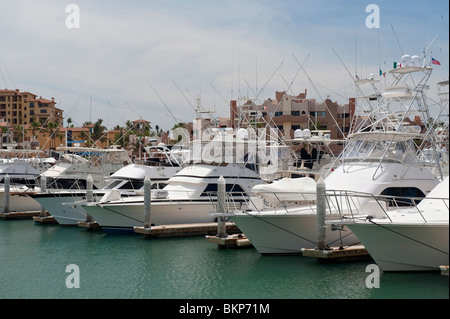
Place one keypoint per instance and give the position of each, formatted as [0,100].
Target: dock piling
[221,222]
[321,212]
[147,201]
[7,183]
[90,189]
[43,182]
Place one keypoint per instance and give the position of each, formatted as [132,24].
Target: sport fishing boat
[403,239]
[23,168]
[379,158]
[66,181]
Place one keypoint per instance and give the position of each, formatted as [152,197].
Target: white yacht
[405,239]
[187,198]
[23,168]
[380,158]
[66,181]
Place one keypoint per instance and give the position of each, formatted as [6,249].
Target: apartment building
[291,112]
[23,108]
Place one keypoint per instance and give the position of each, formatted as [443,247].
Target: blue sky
[211,50]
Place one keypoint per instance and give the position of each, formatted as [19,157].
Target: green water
[33,261]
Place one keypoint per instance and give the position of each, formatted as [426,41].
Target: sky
[162,59]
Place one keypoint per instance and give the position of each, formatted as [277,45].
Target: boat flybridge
[380,158]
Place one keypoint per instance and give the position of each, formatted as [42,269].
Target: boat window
[158,185]
[233,189]
[64,183]
[132,184]
[403,196]
[113,184]
[401,151]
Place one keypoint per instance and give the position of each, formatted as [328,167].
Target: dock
[357,252]
[233,241]
[89,225]
[44,220]
[444,270]
[177,230]
[19,215]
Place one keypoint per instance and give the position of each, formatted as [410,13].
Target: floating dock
[89,225]
[178,230]
[234,241]
[350,253]
[44,220]
[20,215]
[444,270]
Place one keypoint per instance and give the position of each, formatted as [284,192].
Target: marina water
[33,261]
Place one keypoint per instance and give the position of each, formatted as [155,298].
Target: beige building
[291,112]
[23,108]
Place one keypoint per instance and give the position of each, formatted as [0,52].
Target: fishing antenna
[398,42]
[173,116]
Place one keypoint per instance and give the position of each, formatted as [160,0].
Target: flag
[382,73]
[434,61]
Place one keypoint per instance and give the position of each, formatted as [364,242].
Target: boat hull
[126,217]
[415,247]
[288,233]
[19,202]
[62,207]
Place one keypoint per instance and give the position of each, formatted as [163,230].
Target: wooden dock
[19,215]
[89,225]
[178,230]
[44,220]
[357,252]
[444,270]
[233,241]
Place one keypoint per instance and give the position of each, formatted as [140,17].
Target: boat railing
[58,185]
[234,201]
[356,205]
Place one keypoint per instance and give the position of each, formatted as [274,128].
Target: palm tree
[53,130]
[98,131]
[3,130]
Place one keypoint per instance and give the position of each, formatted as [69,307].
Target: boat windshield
[402,151]
[119,157]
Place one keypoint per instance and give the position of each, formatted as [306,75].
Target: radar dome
[406,60]
[415,61]
[242,134]
[306,133]
[298,133]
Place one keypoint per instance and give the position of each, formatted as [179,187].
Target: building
[288,113]
[23,115]
[23,108]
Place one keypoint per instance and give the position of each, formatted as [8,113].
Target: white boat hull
[415,247]
[125,217]
[62,208]
[20,203]
[289,233]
